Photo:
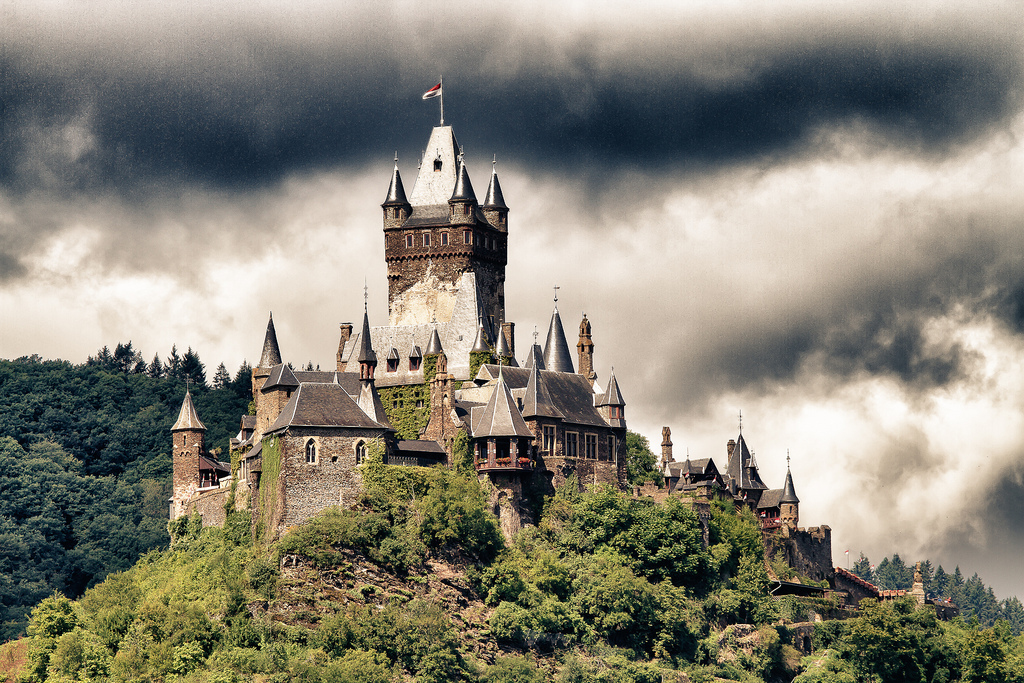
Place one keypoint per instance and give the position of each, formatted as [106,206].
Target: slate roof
[322,405]
[463,187]
[612,397]
[435,186]
[366,354]
[570,394]
[206,463]
[556,348]
[535,357]
[741,469]
[537,400]
[434,345]
[788,492]
[396,192]
[271,353]
[769,499]
[503,349]
[500,417]
[494,198]
[420,446]
[187,417]
[280,376]
[481,345]
[248,422]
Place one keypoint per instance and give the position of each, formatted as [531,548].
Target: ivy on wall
[269,479]
[476,360]
[407,407]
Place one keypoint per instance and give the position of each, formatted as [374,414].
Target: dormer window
[616,412]
[392,365]
[415,363]
[438,163]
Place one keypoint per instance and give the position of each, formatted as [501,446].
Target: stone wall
[307,488]
[609,467]
[856,588]
[506,500]
[188,445]
[808,551]
[210,506]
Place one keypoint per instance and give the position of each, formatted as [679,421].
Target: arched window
[360,452]
[311,451]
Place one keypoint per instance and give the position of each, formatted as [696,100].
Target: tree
[192,368]
[221,379]
[156,368]
[862,568]
[641,464]
[174,362]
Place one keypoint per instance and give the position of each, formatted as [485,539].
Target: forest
[84,467]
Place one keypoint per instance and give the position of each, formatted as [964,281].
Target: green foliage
[641,464]
[267,503]
[513,669]
[407,407]
[462,454]
[477,360]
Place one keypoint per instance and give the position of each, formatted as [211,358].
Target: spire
[494,198]
[612,397]
[366,353]
[535,358]
[396,193]
[434,345]
[271,353]
[503,351]
[187,417]
[788,491]
[742,468]
[556,348]
[481,345]
[463,187]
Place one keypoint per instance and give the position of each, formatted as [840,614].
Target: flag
[433,92]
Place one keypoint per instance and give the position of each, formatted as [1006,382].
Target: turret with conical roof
[271,355]
[789,504]
[501,438]
[366,356]
[269,358]
[494,203]
[504,352]
[611,403]
[462,204]
[188,436]
[396,206]
[556,348]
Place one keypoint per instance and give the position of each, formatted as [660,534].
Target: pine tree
[862,568]
[242,383]
[937,586]
[221,378]
[174,363]
[192,368]
[124,357]
[156,368]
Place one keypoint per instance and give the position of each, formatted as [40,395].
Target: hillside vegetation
[84,467]
[416,583]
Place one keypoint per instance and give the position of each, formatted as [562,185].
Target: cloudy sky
[810,212]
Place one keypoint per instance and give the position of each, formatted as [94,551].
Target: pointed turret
[494,207]
[611,404]
[271,353]
[743,470]
[434,345]
[187,417]
[481,345]
[556,348]
[503,351]
[500,416]
[366,356]
[463,191]
[789,504]
[396,192]
[788,492]
[535,358]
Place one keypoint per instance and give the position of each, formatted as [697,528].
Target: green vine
[407,407]
[394,482]
[269,480]
[462,454]
[476,360]
[429,368]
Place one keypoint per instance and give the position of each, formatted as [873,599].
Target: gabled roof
[393,354]
[369,402]
[187,417]
[742,470]
[396,192]
[206,463]
[415,352]
[271,353]
[500,417]
[494,198]
[769,499]
[322,405]
[281,376]
[537,401]
[788,492]
[248,422]
[556,348]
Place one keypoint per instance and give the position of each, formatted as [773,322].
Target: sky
[809,212]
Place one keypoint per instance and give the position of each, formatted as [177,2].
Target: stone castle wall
[808,551]
[210,506]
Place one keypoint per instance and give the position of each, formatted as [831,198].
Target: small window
[311,452]
[444,239]
[438,164]
[394,404]
[549,439]
[408,240]
[611,448]
[590,441]
[572,445]
[419,403]
[360,452]
[415,363]
[426,239]
[467,236]
[392,365]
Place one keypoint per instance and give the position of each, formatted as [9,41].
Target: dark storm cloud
[244,109]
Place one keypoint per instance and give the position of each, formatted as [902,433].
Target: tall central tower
[441,239]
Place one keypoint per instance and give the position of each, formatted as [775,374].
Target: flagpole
[442,99]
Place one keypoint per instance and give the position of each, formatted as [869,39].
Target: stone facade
[808,551]
[209,505]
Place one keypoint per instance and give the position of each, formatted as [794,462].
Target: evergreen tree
[937,586]
[221,379]
[124,357]
[174,363]
[156,368]
[192,368]
[862,568]
[242,383]
[140,367]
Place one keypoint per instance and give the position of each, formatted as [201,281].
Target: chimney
[346,334]
[731,445]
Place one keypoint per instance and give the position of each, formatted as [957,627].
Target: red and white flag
[433,92]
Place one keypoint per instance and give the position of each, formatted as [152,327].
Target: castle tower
[611,405]
[441,233]
[666,448]
[270,357]
[369,400]
[189,438]
[789,504]
[585,350]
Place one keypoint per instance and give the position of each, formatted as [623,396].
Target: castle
[446,363]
